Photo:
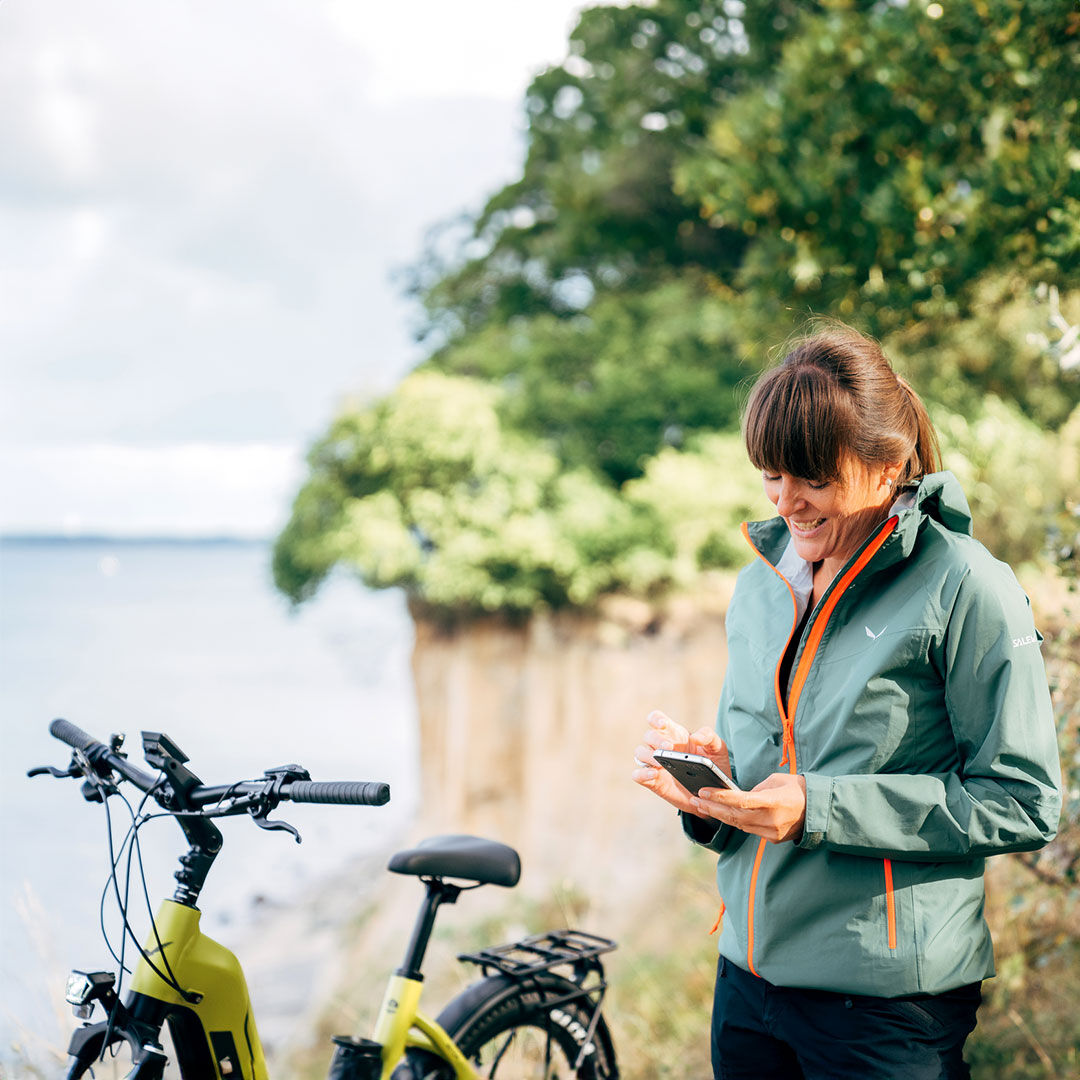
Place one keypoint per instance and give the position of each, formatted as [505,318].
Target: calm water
[189,639]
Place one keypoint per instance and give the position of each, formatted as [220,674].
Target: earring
[889,481]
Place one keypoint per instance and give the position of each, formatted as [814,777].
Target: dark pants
[766,1032]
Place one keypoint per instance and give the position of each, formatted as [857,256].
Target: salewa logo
[870,633]
[1027,639]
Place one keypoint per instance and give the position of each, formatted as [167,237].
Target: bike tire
[520,1029]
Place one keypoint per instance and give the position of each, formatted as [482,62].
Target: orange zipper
[719,924]
[750,917]
[890,903]
[787,714]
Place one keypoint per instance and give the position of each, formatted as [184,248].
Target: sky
[205,212]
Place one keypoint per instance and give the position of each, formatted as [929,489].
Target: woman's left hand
[775,809]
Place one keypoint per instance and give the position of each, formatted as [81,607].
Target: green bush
[1010,471]
[701,495]
[427,490]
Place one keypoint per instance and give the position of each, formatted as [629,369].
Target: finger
[643,756]
[708,808]
[707,739]
[735,800]
[662,784]
[656,740]
[661,722]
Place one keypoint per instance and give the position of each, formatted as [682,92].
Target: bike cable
[131,842]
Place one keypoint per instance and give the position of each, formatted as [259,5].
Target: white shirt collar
[799,574]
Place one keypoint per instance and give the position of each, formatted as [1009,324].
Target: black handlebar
[179,792]
[332,792]
[352,792]
[98,753]
[74,736]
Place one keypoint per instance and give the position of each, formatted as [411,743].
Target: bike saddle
[470,857]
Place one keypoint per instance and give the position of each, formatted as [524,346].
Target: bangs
[798,422]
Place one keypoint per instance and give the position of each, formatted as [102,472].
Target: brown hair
[836,394]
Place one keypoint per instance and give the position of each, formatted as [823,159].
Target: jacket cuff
[818,803]
[711,834]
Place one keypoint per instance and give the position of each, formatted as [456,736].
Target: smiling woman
[887,731]
[835,432]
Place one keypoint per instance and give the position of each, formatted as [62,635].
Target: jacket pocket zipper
[890,903]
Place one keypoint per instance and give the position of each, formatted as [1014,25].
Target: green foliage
[701,495]
[700,176]
[428,491]
[1000,349]
[1009,471]
[894,157]
[610,388]
[1065,531]
[595,208]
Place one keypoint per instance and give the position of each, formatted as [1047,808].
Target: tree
[898,157]
[699,177]
[595,209]
[608,389]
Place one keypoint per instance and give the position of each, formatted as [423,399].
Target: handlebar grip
[353,792]
[72,735]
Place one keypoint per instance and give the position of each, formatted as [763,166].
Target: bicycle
[535,1010]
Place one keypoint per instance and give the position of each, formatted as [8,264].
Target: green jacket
[919,714]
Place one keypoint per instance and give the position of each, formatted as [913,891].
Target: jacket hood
[940,498]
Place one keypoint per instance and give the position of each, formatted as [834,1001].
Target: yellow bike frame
[205,967]
[401,1025]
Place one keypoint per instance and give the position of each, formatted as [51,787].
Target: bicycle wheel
[522,1029]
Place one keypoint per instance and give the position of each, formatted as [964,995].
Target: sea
[188,638]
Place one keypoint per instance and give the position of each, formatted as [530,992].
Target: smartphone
[693,771]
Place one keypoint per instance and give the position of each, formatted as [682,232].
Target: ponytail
[925,455]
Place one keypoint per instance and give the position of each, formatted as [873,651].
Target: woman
[886,714]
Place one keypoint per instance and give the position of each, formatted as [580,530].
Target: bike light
[85,987]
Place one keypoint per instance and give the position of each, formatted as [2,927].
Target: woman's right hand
[663,733]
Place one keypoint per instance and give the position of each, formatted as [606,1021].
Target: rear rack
[541,952]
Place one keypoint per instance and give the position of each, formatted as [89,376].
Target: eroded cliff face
[527,733]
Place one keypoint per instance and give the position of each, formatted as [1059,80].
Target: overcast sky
[202,207]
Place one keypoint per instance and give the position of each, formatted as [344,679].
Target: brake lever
[271,796]
[52,770]
[264,822]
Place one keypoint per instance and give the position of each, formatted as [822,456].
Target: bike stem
[205,840]
[437,892]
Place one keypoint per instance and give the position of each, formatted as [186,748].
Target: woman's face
[829,521]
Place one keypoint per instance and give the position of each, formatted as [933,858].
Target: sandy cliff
[527,732]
